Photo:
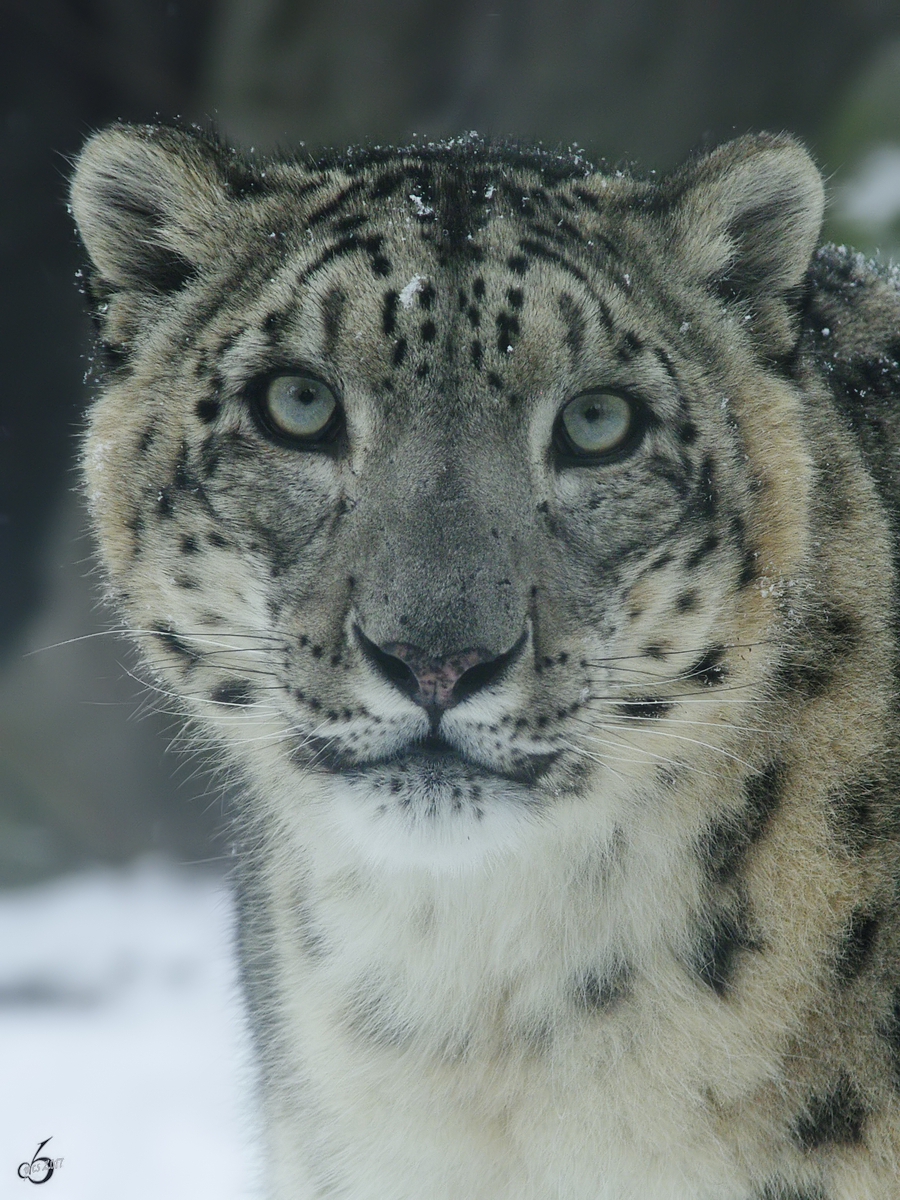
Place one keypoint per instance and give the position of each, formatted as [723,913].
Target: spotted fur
[569,847]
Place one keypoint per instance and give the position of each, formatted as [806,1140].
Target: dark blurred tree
[66,67]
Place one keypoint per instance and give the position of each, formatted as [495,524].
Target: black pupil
[306,395]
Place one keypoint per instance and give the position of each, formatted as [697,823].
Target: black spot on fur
[174,643]
[800,675]
[548,254]
[207,409]
[686,602]
[573,319]
[210,456]
[809,669]
[706,498]
[515,297]
[115,357]
[330,207]
[188,544]
[163,269]
[274,322]
[507,331]
[387,184]
[381,265]
[517,263]
[243,183]
[426,296]
[478,288]
[477,352]
[724,845]
[163,505]
[474,315]
[709,544]
[601,991]
[628,346]
[233,691]
[645,708]
[777,1190]
[182,480]
[389,313]
[399,352]
[217,539]
[428,331]
[136,525]
[333,306]
[687,433]
[146,439]
[749,568]
[856,946]
[720,939]
[709,670]
[836,1117]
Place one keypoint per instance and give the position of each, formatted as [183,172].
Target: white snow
[415,285]
[122,1038]
[422,209]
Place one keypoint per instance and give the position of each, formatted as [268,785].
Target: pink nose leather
[436,677]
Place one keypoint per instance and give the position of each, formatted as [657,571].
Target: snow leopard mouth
[435,760]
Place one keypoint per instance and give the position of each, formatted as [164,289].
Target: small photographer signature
[41,1167]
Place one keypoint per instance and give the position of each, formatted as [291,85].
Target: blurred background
[84,774]
[118,1016]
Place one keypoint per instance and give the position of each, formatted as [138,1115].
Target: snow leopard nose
[436,682]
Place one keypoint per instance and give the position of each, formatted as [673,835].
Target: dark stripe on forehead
[390,182]
[389,313]
[539,250]
[665,361]
[573,319]
[333,305]
[349,245]
[336,203]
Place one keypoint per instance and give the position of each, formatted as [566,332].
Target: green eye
[300,407]
[598,424]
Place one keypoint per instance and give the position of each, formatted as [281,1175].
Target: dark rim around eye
[570,454]
[323,439]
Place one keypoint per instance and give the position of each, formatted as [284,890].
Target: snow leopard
[524,536]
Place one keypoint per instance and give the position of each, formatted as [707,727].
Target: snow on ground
[122,1039]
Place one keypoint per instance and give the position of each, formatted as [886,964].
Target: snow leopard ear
[149,202]
[746,220]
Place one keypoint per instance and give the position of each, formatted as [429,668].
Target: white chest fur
[517,1028]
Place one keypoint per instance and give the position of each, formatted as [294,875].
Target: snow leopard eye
[599,425]
[299,407]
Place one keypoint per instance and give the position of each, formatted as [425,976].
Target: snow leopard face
[525,535]
[437,486]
